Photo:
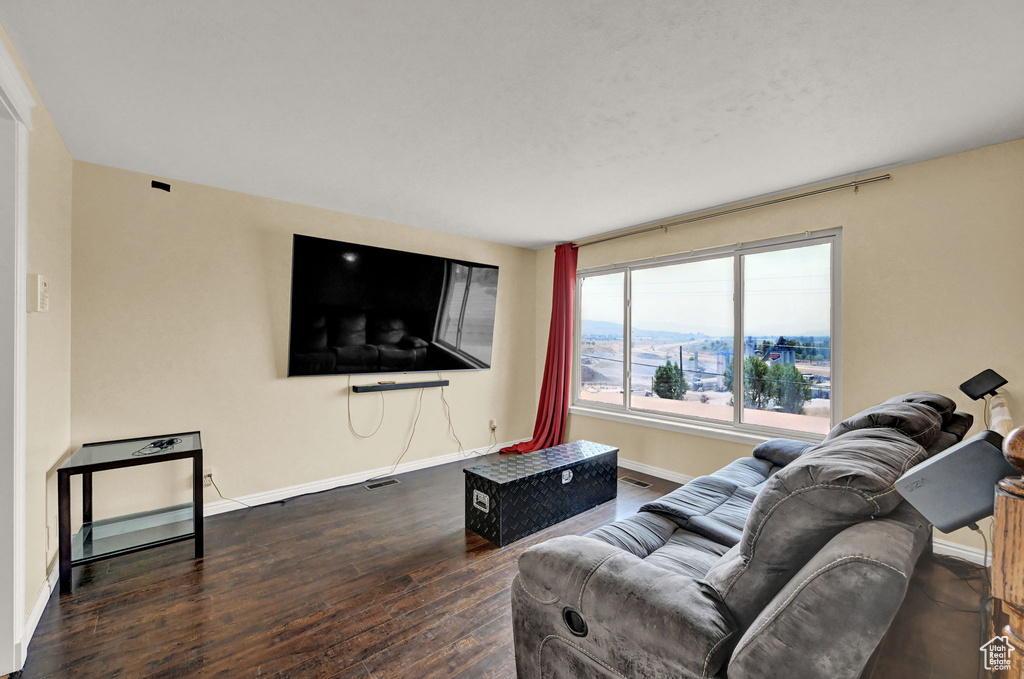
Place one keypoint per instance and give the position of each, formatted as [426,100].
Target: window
[774,304]
[602,364]
[681,326]
[466,319]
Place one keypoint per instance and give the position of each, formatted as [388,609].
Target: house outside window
[739,339]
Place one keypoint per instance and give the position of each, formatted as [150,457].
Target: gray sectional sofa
[789,563]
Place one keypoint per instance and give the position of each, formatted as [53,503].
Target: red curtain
[549,429]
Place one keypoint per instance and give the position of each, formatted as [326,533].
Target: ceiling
[525,122]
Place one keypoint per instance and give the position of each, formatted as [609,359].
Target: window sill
[724,432]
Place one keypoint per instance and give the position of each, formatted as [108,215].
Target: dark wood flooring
[357,584]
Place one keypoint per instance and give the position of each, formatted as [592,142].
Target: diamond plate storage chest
[513,497]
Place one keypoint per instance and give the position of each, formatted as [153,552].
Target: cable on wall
[408,444]
[349,407]
[448,415]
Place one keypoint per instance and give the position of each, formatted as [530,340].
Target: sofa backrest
[845,480]
[387,330]
[350,329]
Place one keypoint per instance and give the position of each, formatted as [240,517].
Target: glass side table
[107,538]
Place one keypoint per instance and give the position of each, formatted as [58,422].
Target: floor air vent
[381,484]
[634,482]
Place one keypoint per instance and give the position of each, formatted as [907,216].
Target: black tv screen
[363,309]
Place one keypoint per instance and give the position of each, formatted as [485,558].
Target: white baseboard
[278,494]
[21,650]
[650,469]
[972,554]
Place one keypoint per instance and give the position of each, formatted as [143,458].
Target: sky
[786,293]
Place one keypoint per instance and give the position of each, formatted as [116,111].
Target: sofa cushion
[716,506]
[392,356]
[724,524]
[639,534]
[844,481]
[781,452]
[687,553]
[959,424]
[357,356]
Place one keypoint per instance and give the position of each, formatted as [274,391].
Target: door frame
[16,104]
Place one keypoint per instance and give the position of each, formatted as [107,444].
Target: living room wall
[932,291]
[181,322]
[49,334]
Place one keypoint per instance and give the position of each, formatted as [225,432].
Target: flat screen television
[362,309]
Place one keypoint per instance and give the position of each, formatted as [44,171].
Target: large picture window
[773,304]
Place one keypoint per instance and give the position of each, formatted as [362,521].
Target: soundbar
[395,386]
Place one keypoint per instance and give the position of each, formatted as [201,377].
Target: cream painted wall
[933,290]
[181,322]
[49,334]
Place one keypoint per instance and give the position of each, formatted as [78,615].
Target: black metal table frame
[86,471]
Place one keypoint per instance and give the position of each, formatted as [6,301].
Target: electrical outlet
[207,477]
[494,425]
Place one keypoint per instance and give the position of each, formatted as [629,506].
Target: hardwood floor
[937,631]
[346,584]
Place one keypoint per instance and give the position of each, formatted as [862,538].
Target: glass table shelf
[107,538]
[125,534]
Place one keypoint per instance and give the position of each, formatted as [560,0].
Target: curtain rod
[722,213]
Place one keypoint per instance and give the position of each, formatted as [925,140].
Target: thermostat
[38,293]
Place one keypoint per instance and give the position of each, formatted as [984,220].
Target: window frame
[736,430]
[448,297]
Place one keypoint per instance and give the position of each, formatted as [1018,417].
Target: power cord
[349,406]
[984,566]
[494,439]
[448,415]
[229,499]
[412,434]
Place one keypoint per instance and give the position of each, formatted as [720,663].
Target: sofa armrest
[642,620]
[781,452]
[412,342]
[827,621]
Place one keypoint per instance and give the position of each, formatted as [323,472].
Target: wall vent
[634,482]
[381,484]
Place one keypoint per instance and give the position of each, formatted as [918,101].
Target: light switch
[38,293]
